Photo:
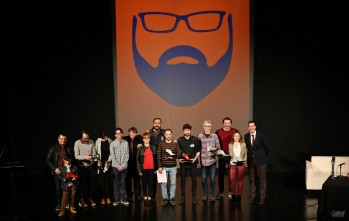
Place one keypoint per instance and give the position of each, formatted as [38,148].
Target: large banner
[183,61]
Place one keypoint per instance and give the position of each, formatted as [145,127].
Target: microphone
[333,159]
[341,164]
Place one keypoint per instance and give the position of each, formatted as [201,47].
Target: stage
[287,199]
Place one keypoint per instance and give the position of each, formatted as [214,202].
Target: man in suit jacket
[257,159]
[134,142]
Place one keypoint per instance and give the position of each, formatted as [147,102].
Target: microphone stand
[340,171]
[332,162]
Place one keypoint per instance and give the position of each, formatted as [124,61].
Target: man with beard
[168,153]
[84,150]
[224,135]
[157,134]
[190,149]
[54,160]
[134,141]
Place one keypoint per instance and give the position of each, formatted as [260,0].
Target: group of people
[128,165]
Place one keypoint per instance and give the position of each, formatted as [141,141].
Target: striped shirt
[164,158]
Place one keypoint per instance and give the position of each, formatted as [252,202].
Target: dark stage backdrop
[60,64]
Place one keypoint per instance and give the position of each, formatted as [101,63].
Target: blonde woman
[238,164]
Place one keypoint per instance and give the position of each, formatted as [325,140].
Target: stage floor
[287,199]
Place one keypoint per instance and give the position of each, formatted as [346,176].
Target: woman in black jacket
[146,167]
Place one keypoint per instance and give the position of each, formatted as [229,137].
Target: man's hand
[88,158]
[57,171]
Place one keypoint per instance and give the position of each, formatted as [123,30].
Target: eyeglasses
[163,22]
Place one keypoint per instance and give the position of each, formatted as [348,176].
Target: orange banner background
[137,104]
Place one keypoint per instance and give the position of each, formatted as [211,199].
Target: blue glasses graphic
[163,22]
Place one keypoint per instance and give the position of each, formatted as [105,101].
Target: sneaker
[230,196]
[164,202]
[173,202]
[108,201]
[82,203]
[195,200]
[116,202]
[102,201]
[212,199]
[125,202]
[58,209]
[67,206]
[220,196]
[92,203]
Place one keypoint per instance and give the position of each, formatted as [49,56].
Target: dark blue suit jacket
[260,149]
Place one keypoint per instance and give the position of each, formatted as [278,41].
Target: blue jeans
[59,192]
[119,184]
[171,173]
[208,170]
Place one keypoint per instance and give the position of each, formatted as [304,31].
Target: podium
[333,202]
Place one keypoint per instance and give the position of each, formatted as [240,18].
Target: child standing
[69,176]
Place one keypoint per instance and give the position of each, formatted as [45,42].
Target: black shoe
[182,201]
[212,199]
[172,202]
[204,199]
[220,196]
[195,200]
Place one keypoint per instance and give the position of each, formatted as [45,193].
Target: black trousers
[193,172]
[133,180]
[222,162]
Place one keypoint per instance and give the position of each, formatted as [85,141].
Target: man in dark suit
[134,142]
[257,160]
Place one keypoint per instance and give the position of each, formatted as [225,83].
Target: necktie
[131,146]
[252,140]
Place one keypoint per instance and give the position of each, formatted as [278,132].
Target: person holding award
[69,177]
[238,164]
[190,148]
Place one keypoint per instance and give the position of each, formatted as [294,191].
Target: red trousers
[236,173]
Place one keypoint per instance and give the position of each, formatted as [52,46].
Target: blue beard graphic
[182,84]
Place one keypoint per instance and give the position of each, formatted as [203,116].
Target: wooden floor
[286,200]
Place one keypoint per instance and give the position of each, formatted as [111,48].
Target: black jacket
[140,158]
[52,158]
